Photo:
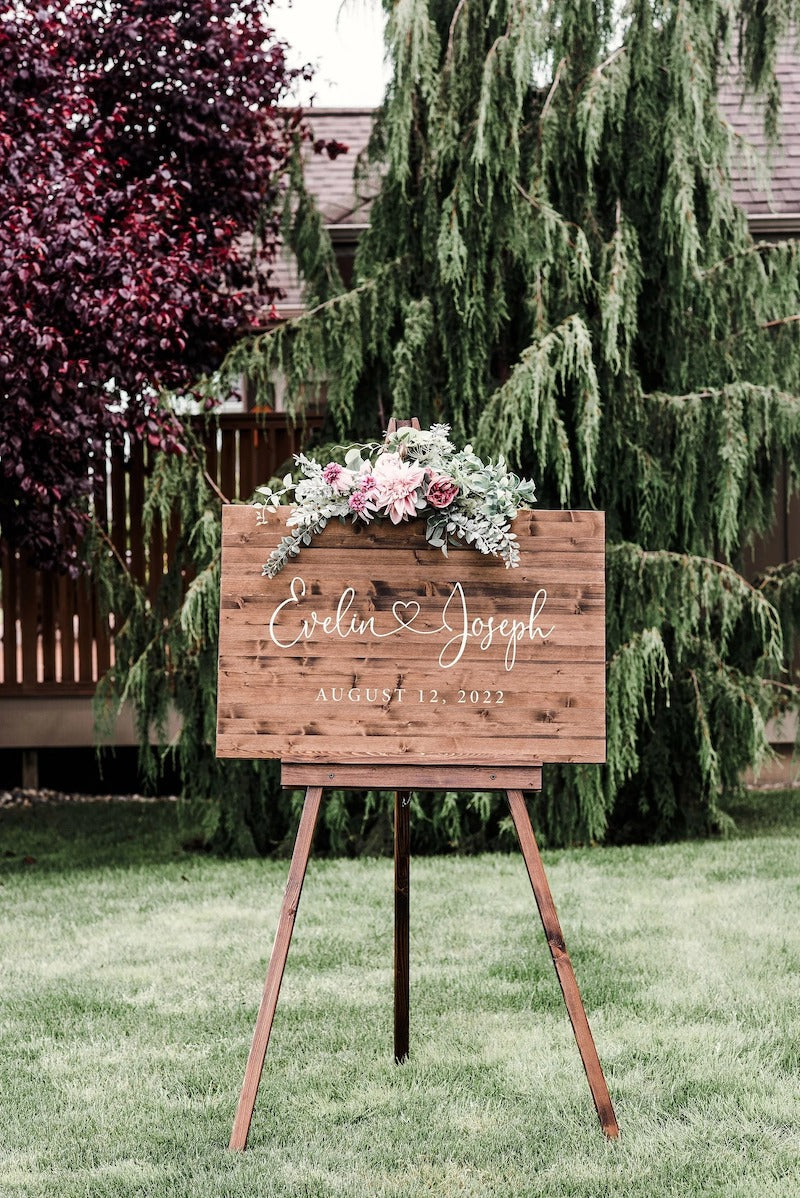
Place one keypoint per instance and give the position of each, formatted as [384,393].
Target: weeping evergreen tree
[555,266]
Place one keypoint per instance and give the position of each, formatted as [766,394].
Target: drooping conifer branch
[555,265]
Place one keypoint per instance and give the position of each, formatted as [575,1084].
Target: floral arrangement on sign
[413,472]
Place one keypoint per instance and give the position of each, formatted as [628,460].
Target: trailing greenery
[555,267]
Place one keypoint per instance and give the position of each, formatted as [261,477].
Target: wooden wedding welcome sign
[374,661]
[371,646]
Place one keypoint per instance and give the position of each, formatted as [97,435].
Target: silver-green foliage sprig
[485,496]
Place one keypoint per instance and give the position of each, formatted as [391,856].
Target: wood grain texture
[438,750]
[277,965]
[402,900]
[410,777]
[370,646]
[563,965]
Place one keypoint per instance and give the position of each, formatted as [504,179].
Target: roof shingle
[781,162]
[331,182]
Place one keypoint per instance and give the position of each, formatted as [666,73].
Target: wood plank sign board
[372,647]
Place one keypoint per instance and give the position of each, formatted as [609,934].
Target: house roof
[775,211]
[346,213]
[331,182]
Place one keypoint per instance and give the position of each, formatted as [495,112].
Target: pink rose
[441,490]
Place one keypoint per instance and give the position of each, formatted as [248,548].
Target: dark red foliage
[332,148]
[139,141]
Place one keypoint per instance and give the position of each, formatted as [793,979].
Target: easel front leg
[402,886]
[563,965]
[277,964]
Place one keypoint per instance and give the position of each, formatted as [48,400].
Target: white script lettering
[292,622]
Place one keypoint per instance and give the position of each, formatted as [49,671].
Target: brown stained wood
[563,965]
[244,597]
[316,560]
[359,775]
[316,732]
[434,750]
[85,631]
[9,567]
[581,634]
[414,647]
[557,570]
[119,502]
[384,566]
[373,721]
[136,476]
[252,679]
[366,704]
[277,964]
[393,569]
[66,607]
[227,470]
[248,478]
[30,616]
[320,774]
[49,587]
[567,528]
[240,669]
[371,605]
[257,688]
[102,635]
[402,892]
[394,424]
[155,561]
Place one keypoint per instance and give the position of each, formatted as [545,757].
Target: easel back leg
[402,886]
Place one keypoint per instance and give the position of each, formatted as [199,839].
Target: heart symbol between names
[405,612]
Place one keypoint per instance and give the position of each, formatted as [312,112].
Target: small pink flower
[368,483]
[396,486]
[441,490]
[360,505]
[338,477]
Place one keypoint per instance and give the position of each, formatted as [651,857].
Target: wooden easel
[402,779]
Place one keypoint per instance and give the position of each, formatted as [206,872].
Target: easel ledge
[400,776]
[317,776]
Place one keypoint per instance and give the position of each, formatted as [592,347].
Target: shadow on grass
[767,813]
[87,835]
[128,834]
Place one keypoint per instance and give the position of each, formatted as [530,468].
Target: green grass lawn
[132,970]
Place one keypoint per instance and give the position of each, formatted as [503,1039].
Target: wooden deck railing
[55,641]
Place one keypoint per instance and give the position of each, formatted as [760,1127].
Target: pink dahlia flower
[396,486]
[441,490]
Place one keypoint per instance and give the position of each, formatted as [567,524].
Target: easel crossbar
[400,776]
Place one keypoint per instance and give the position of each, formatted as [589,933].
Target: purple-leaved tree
[139,141]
